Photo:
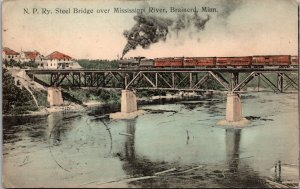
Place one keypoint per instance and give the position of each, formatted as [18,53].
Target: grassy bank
[15,100]
[80,95]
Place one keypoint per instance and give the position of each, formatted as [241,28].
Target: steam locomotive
[212,62]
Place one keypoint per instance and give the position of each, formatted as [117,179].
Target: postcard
[148,93]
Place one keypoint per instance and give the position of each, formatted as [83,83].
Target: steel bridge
[183,79]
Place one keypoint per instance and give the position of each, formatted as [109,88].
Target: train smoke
[185,21]
[151,29]
[228,7]
[181,23]
[200,22]
[146,31]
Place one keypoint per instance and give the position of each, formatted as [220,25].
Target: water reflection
[55,130]
[60,125]
[239,172]
[233,138]
[213,109]
[20,127]
[134,164]
[129,143]
[104,109]
[131,163]
[277,175]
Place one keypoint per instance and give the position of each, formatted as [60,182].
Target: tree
[15,100]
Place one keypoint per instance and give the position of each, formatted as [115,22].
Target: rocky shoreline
[73,107]
[66,108]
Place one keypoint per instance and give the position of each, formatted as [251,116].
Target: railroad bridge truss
[232,80]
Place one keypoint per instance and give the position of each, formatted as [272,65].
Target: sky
[238,28]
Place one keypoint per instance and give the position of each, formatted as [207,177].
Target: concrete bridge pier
[234,111]
[54,97]
[128,102]
[129,108]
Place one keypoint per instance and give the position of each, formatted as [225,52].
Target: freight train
[281,61]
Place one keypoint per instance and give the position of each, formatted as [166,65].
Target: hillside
[16,99]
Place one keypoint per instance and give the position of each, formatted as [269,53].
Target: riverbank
[73,107]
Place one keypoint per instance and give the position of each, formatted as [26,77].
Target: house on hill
[33,56]
[9,54]
[58,60]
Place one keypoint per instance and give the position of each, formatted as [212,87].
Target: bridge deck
[193,79]
[177,70]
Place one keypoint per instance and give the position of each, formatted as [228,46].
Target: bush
[30,64]
[15,100]
[98,64]
[149,93]
[85,95]
[41,97]
[13,63]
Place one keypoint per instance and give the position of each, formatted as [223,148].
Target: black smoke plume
[146,31]
[184,22]
[200,22]
[228,7]
[181,23]
[151,29]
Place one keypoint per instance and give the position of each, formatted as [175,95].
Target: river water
[86,150]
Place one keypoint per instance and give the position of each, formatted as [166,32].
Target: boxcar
[243,61]
[199,61]
[271,60]
[294,61]
[168,62]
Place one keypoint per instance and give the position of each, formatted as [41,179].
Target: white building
[58,60]
[33,56]
[10,55]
